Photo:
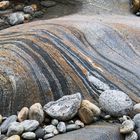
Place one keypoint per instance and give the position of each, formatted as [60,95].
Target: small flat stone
[36,112]
[28,9]
[14,137]
[65,108]
[30,125]
[55,132]
[136,108]
[7,122]
[49,128]
[61,127]
[15,128]
[48,3]
[23,114]
[47,136]
[54,122]
[72,127]
[29,135]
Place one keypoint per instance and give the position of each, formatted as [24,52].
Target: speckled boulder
[116,103]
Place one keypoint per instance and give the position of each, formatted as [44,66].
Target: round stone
[136,119]
[61,127]
[40,133]
[47,136]
[136,108]
[30,125]
[49,129]
[54,122]
[79,123]
[72,127]
[132,136]
[29,135]
[115,103]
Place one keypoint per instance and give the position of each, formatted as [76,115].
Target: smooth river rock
[65,108]
[115,103]
[29,135]
[30,125]
[7,122]
[36,112]
[14,137]
[23,114]
[136,119]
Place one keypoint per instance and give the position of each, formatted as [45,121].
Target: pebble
[16,18]
[98,83]
[55,132]
[38,14]
[3,137]
[1,119]
[7,122]
[65,108]
[29,135]
[106,117]
[30,125]
[15,128]
[48,3]
[71,122]
[47,136]
[132,136]
[127,127]
[115,103]
[40,133]
[61,127]
[4,5]
[136,108]
[36,112]
[28,9]
[49,128]
[79,123]
[23,114]
[72,127]
[136,119]
[27,17]
[14,137]
[54,122]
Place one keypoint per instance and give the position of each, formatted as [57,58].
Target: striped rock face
[44,60]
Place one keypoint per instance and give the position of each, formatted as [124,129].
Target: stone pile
[70,113]
[17,13]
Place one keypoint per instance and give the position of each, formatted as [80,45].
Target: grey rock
[65,108]
[30,125]
[54,122]
[138,133]
[40,133]
[28,9]
[61,127]
[29,135]
[48,3]
[15,128]
[115,103]
[36,113]
[38,14]
[79,123]
[16,18]
[132,136]
[127,127]
[3,137]
[49,128]
[47,136]
[72,127]
[136,119]
[136,108]
[97,82]
[7,122]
